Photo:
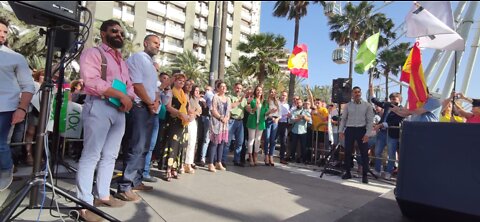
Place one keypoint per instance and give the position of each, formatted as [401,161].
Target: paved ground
[280,193]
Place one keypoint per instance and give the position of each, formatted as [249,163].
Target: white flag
[432,24]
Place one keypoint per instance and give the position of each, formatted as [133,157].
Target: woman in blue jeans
[270,133]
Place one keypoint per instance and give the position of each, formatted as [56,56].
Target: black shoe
[347,175]
[239,164]
[365,179]
[201,164]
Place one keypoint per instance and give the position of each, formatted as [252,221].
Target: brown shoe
[142,187]
[129,196]
[90,216]
[111,202]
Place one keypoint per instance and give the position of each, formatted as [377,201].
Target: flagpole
[452,119]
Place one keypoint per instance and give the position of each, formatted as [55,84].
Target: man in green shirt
[235,124]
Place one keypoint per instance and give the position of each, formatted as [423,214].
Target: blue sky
[314,32]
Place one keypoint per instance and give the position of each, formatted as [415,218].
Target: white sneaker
[376,173]
[388,176]
[6,178]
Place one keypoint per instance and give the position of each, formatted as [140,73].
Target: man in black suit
[388,133]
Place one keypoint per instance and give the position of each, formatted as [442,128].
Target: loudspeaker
[341,90]
[439,177]
[64,39]
[47,13]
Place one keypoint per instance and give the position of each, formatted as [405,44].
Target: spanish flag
[412,73]
[298,61]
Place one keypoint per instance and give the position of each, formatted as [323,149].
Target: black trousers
[353,134]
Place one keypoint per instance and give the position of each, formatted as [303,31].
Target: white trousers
[254,135]
[192,141]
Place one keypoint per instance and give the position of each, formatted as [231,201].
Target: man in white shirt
[140,119]
[16,91]
[356,124]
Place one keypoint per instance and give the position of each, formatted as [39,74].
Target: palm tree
[240,72]
[265,49]
[356,24]
[322,92]
[24,38]
[191,66]
[391,61]
[292,10]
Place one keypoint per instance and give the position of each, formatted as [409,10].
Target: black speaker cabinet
[341,90]
[439,171]
[47,13]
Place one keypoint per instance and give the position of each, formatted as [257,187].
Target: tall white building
[185,25]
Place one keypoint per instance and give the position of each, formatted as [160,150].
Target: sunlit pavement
[293,192]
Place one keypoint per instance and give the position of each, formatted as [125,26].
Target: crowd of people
[129,109]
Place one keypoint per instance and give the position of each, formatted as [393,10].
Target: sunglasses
[115,31]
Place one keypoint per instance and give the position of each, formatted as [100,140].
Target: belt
[356,126]
[92,97]
[236,118]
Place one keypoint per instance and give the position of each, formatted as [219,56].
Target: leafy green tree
[191,66]
[240,72]
[391,61]
[265,49]
[356,24]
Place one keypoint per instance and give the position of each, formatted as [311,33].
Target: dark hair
[356,87]
[395,94]
[218,82]
[238,83]
[192,93]
[164,74]
[4,21]
[108,23]
[74,84]
[148,36]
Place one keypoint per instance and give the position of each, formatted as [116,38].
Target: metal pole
[44,108]
[215,46]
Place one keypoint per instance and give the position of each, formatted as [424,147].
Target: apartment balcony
[227,63]
[202,41]
[246,16]
[117,13]
[229,36]
[155,26]
[128,17]
[230,8]
[203,25]
[245,29]
[157,8]
[196,24]
[181,4]
[204,12]
[172,48]
[174,32]
[243,39]
[196,39]
[229,22]
[228,50]
[131,3]
[175,15]
[247,4]
[200,56]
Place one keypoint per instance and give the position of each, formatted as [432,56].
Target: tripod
[37,178]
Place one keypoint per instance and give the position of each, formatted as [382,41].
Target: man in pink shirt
[104,123]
